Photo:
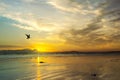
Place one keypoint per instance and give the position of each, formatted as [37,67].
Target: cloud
[111,11]
[89,39]
[26,15]
[23,27]
[9,46]
[79,22]
[25,21]
[104,29]
[81,36]
[3,6]
[30,21]
[74,6]
[29,0]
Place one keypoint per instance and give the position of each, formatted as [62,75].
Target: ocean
[59,67]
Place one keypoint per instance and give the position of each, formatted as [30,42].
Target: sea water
[61,67]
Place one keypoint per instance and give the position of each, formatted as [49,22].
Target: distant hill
[90,53]
[28,51]
[24,51]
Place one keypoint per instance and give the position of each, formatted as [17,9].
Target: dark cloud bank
[103,29]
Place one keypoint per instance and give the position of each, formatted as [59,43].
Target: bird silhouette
[28,36]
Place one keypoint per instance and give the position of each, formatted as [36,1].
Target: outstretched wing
[28,36]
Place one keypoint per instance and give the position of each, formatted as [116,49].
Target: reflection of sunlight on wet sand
[75,68]
[38,73]
[59,67]
[38,60]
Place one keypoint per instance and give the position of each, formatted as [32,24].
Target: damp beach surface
[70,67]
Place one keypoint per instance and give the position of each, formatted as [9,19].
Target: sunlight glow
[38,59]
[45,47]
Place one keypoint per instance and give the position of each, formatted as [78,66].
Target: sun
[42,49]
[45,48]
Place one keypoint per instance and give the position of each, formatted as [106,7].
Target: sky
[60,25]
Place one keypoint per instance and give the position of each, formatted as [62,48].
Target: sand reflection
[77,68]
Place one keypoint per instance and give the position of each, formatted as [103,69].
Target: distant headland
[28,51]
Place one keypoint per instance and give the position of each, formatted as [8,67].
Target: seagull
[28,36]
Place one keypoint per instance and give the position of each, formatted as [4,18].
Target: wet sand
[60,68]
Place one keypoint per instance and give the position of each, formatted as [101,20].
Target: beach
[81,67]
